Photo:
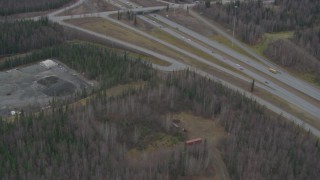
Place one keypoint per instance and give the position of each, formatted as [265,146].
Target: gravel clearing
[32,87]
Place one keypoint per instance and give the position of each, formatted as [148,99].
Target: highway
[179,65]
[283,76]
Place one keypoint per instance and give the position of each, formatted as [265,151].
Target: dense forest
[94,140]
[309,39]
[253,18]
[25,35]
[8,7]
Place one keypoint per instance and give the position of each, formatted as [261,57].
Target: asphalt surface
[274,89]
[271,87]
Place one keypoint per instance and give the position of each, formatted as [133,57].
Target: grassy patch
[108,28]
[310,78]
[161,140]
[209,129]
[267,38]
[197,126]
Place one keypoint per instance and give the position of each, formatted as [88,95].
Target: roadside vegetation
[21,6]
[268,38]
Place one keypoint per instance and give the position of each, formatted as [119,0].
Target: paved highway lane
[283,77]
[271,87]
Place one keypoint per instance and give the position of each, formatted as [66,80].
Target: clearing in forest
[35,85]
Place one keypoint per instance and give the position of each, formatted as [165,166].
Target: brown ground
[214,133]
[199,127]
